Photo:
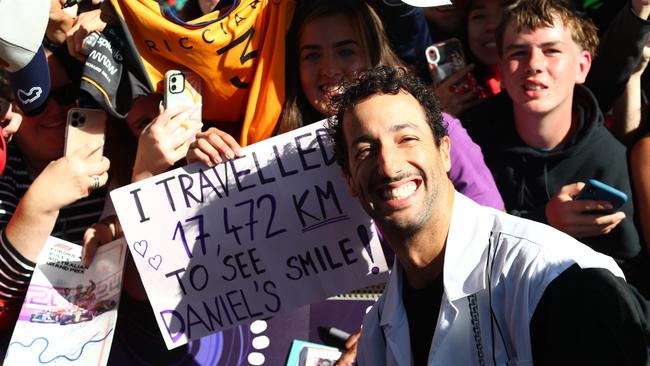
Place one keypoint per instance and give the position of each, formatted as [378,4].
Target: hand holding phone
[598,191]
[183,88]
[447,56]
[84,125]
[578,217]
[450,71]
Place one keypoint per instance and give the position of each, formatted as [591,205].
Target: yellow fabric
[251,26]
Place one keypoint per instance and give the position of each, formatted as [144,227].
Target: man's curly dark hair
[383,80]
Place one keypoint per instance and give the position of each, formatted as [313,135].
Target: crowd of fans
[506,152]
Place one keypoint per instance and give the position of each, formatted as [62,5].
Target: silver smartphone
[84,125]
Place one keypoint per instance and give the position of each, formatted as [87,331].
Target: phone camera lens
[75,115]
[173,87]
[173,79]
[82,119]
[74,123]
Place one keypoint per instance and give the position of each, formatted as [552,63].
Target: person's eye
[363,153]
[409,139]
[475,17]
[311,56]
[517,54]
[552,51]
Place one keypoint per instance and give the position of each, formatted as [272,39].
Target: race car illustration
[73,314]
[46,316]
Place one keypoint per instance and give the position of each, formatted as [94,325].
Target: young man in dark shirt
[544,136]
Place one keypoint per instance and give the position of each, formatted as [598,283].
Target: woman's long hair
[297,111]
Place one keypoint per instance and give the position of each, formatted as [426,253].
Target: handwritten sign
[69,313]
[270,231]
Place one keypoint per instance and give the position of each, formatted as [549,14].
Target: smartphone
[83,126]
[183,88]
[598,191]
[448,57]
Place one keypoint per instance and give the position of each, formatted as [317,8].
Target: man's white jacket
[496,269]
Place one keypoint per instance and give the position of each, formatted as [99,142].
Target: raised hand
[213,147]
[580,218]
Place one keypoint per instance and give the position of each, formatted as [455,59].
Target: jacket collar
[465,258]
[466,250]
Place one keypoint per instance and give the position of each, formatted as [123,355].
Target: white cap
[426,3]
[22,27]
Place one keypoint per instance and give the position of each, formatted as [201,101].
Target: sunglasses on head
[65,94]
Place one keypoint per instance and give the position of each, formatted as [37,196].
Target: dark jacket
[527,177]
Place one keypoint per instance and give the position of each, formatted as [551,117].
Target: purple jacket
[469,173]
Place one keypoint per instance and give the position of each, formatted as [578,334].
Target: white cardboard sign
[270,231]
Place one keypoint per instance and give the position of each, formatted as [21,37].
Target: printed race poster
[69,313]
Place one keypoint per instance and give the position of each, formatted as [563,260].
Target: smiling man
[470,284]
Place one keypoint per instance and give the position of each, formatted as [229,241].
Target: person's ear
[583,66]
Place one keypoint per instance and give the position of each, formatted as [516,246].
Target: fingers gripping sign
[213,147]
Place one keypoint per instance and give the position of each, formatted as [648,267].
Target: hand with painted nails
[580,218]
[213,147]
[165,141]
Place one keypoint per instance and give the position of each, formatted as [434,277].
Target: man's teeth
[491,45]
[400,192]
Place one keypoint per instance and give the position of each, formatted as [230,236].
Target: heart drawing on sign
[155,261]
[140,247]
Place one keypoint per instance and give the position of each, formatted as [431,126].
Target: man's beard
[403,226]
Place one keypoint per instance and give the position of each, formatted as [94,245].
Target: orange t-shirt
[239,53]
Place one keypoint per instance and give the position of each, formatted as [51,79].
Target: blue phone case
[599,191]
